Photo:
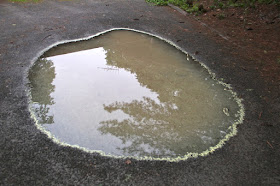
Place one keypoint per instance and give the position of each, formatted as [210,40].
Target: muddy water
[130,94]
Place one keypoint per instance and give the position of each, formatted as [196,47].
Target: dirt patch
[253,34]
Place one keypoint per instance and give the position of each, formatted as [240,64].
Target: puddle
[125,93]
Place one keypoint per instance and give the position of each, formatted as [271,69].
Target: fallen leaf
[127,162]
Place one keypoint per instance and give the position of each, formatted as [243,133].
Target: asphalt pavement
[29,157]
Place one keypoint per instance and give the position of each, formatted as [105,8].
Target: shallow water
[130,94]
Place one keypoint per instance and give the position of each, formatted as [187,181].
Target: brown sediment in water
[130,94]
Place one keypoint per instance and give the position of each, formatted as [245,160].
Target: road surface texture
[29,157]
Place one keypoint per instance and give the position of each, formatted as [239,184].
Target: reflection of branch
[151,128]
[147,108]
[42,114]
[108,68]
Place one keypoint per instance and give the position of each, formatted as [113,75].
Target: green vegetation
[221,16]
[24,1]
[190,6]
[278,60]
[158,2]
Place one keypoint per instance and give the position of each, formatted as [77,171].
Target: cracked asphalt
[29,157]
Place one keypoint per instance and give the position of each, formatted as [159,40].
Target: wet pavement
[28,156]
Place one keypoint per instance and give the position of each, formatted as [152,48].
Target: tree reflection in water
[41,77]
[150,130]
[162,127]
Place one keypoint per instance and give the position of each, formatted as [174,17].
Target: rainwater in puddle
[129,94]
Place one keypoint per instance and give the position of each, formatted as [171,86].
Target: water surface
[129,94]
